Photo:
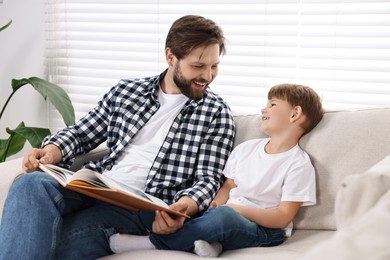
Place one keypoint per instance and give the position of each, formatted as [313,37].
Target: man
[169,135]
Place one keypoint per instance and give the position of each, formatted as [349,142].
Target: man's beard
[185,85]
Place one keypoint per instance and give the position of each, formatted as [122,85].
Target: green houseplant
[34,135]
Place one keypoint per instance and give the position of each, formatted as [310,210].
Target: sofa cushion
[360,192]
[343,143]
[362,210]
[367,236]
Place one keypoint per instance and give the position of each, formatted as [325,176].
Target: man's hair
[192,31]
[303,96]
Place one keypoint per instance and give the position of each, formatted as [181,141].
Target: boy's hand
[214,204]
[164,224]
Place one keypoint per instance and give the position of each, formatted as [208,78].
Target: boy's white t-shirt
[264,180]
[133,165]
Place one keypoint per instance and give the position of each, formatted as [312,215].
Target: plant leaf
[57,96]
[34,135]
[12,145]
[5,26]
[3,149]
[18,83]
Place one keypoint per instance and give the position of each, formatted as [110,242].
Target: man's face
[196,71]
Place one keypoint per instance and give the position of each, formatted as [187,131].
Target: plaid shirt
[192,156]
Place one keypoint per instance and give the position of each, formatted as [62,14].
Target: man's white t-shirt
[263,180]
[133,165]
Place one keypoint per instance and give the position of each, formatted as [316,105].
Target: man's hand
[164,224]
[49,154]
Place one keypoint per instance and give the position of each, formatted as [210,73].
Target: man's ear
[169,56]
[296,113]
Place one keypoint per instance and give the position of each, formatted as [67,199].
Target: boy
[267,180]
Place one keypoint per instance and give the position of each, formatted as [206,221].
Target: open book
[94,184]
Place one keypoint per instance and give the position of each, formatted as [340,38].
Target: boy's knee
[225,214]
[225,211]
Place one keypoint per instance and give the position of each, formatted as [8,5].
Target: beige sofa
[351,153]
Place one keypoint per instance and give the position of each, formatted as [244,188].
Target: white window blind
[339,48]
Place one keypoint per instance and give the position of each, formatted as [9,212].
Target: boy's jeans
[43,220]
[221,224]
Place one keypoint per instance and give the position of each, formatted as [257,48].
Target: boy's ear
[296,114]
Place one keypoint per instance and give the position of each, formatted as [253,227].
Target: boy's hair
[192,31]
[303,96]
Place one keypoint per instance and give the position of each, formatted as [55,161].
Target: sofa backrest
[343,143]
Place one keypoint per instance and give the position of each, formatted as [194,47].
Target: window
[339,48]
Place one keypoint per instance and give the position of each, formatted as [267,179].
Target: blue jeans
[221,224]
[43,220]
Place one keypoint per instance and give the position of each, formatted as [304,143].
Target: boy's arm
[223,193]
[272,218]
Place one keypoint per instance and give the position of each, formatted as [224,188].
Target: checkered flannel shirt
[190,160]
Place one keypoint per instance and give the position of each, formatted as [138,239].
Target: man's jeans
[43,220]
[221,224]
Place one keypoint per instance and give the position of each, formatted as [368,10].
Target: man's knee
[33,185]
[28,179]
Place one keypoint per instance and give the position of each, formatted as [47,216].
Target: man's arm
[192,206]
[213,153]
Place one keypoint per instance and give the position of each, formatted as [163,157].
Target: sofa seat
[294,248]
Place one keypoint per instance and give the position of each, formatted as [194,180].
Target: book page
[97,180]
[91,177]
[60,174]
[137,192]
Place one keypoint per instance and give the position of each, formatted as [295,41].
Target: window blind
[339,48]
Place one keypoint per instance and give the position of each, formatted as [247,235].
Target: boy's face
[196,71]
[276,116]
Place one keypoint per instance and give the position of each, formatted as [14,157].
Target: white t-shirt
[133,165]
[263,180]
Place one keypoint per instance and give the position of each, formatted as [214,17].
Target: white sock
[121,243]
[205,249]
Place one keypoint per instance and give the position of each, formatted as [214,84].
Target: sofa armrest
[9,170]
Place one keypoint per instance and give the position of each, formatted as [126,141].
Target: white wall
[22,56]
